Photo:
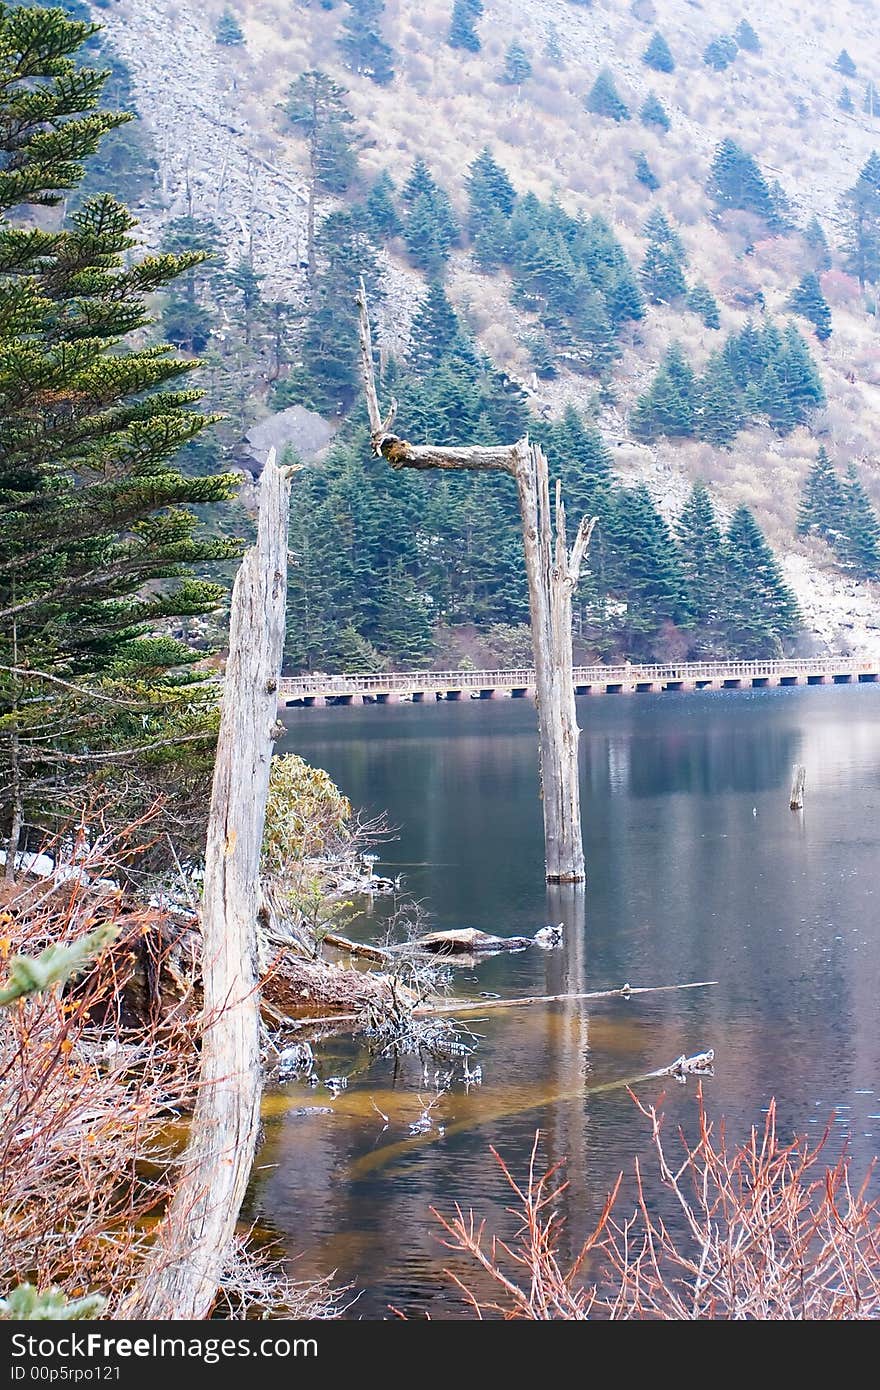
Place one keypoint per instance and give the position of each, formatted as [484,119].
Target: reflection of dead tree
[552,571]
[197,1234]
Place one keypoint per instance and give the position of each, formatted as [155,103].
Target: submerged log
[472,942]
[195,1236]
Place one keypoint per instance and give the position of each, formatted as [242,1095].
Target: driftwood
[796,796]
[194,1238]
[552,571]
[470,941]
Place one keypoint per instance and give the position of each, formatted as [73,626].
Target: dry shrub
[769,1232]
[88,1099]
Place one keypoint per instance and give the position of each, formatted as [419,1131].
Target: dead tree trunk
[552,572]
[195,1236]
[796,795]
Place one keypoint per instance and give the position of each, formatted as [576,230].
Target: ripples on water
[697,870]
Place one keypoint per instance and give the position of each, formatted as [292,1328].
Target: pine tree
[552,49]
[702,559]
[845,101]
[719,416]
[430,229]
[760,612]
[862,209]
[246,280]
[860,548]
[799,375]
[187,319]
[645,174]
[642,571]
[541,356]
[462,29]
[661,274]
[668,406]
[489,191]
[720,52]
[579,456]
[659,229]
[382,216]
[228,31]
[517,66]
[99,546]
[735,181]
[316,109]
[809,301]
[658,54]
[845,64]
[363,49]
[653,112]
[747,38]
[815,239]
[603,99]
[701,300]
[823,504]
[436,333]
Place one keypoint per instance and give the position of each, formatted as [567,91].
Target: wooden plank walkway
[319,688]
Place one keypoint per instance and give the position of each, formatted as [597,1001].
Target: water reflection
[697,871]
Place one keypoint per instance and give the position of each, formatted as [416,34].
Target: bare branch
[580,547]
[369,375]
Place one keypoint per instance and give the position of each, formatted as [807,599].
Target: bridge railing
[319,683]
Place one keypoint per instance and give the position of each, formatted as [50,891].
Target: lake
[697,871]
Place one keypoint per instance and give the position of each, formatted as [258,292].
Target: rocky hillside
[226,151]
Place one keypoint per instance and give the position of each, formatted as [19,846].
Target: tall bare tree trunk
[552,573]
[16,788]
[195,1237]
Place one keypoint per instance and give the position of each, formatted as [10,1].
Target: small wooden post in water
[798,777]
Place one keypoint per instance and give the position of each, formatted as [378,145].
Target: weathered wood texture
[796,796]
[553,572]
[194,1238]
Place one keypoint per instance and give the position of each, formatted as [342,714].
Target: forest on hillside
[393,571]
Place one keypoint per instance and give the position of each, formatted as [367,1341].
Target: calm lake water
[697,871]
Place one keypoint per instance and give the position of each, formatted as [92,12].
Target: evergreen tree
[747,38]
[760,612]
[430,229]
[845,64]
[552,49]
[246,281]
[642,572]
[363,49]
[823,507]
[489,191]
[719,416]
[816,240]
[662,276]
[436,333]
[862,210]
[668,405]
[701,300]
[860,548]
[845,101]
[735,181]
[99,546]
[653,112]
[580,458]
[799,375]
[327,376]
[316,109]
[603,99]
[382,216]
[187,319]
[645,174]
[702,560]
[659,229]
[720,52]
[517,66]
[462,29]
[658,54]
[809,301]
[228,32]
[541,356]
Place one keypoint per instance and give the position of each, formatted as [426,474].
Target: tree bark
[195,1237]
[552,572]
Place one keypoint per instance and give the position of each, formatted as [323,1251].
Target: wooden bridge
[420,686]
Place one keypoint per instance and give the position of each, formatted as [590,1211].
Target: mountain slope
[226,150]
